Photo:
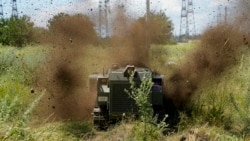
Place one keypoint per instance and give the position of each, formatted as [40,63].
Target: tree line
[21,31]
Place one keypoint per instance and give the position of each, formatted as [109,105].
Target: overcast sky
[42,10]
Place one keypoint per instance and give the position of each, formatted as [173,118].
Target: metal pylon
[187,24]
[103,23]
[1,9]
[14,9]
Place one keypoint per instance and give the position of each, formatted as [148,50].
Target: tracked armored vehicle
[112,102]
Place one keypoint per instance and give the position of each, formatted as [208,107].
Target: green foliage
[20,65]
[18,131]
[212,110]
[14,99]
[55,21]
[141,97]
[243,113]
[17,69]
[148,128]
[16,31]
[7,58]
[161,28]
[219,104]
[158,56]
[159,25]
[79,130]
[40,36]
[8,108]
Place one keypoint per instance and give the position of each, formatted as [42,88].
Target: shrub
[148,127]
[16,31]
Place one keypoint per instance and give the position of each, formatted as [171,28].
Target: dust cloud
[219,48]
[72,59]
[64,75]
[242,14]
[129,40]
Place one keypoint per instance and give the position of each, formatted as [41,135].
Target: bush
[16,31]
[17,66]
[159,29]
[148,127]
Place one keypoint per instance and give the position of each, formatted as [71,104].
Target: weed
[147,128]
[7,108]
[78,129]
[18,131]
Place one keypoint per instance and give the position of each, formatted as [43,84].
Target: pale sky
[41,11]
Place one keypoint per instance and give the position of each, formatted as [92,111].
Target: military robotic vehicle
[113,102]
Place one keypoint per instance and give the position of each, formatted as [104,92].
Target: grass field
[220,107]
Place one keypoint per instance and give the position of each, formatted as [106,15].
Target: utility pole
[191,21]
[104,10]
[1,9]
[219,16]
[148,23]
[107,11]
[184,21]
[100,19]
[147,9]
[187,23]
[225,18]
[14,9]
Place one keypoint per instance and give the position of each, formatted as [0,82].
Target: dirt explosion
[220,47]
[65,75]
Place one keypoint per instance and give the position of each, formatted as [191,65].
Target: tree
[77,29]
[16,31]
[159,29]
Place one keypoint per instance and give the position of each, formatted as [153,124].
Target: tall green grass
[166,58]
[19,65]
[224,101]
[17,130]
[17,74]
[17,69]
